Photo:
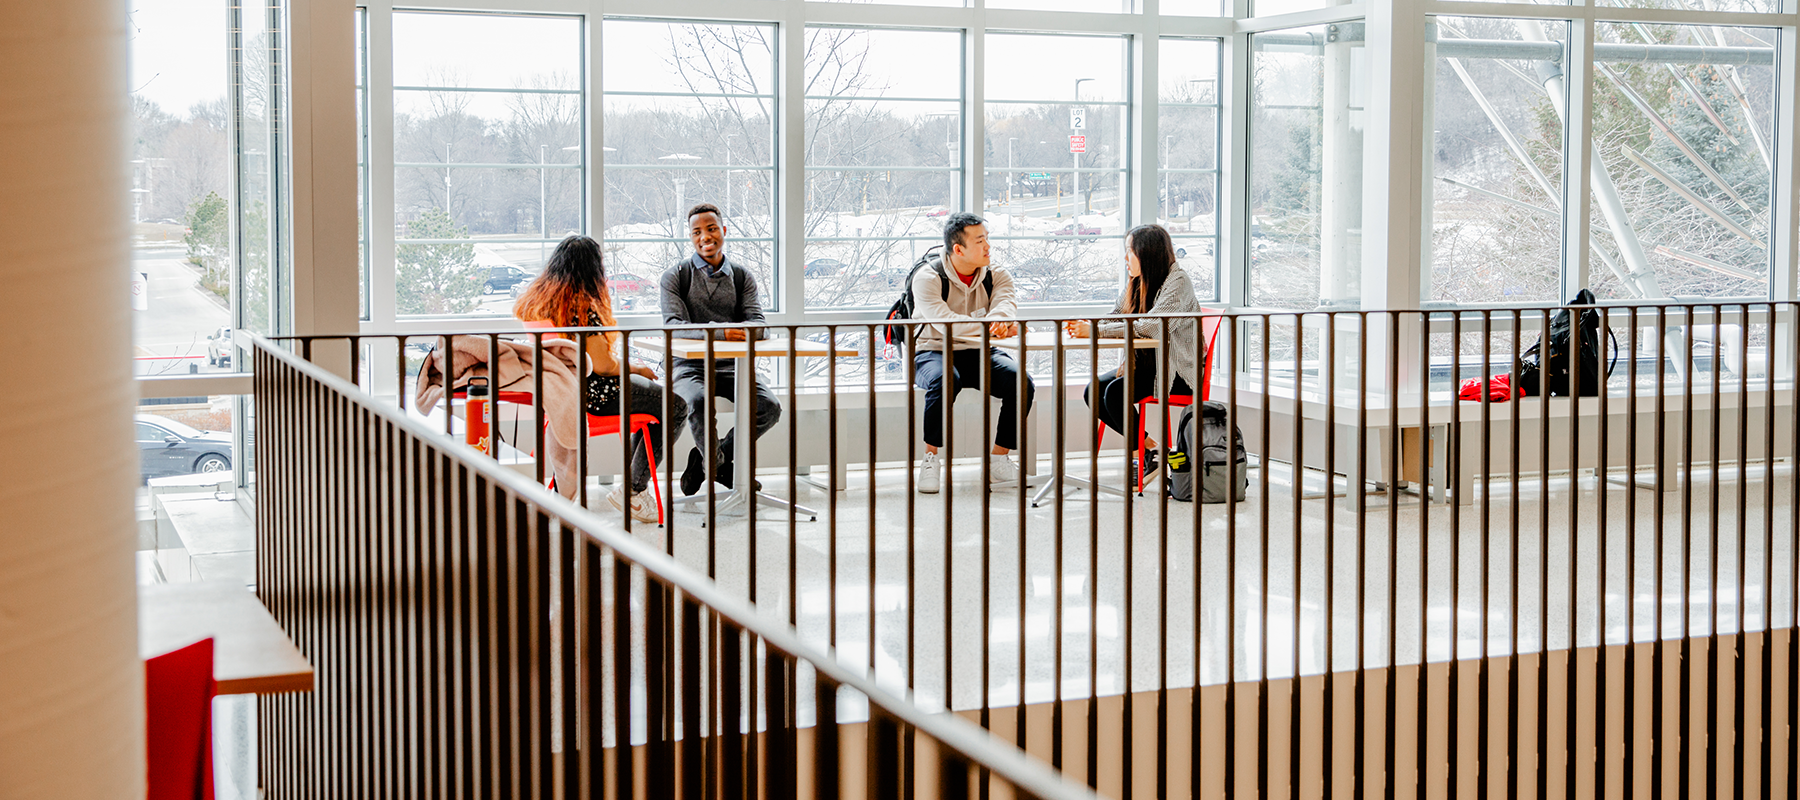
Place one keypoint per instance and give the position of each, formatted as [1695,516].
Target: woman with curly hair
[572,293]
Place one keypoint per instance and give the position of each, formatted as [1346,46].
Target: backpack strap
[738,280]
[987,282]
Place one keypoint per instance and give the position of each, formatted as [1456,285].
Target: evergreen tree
[436,278]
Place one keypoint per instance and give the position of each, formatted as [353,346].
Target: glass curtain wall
[883,168]
[1056,135]
[1683,120]
[182,270]
[362,162]
[1496,182]
[487,155]
[262,301]
[1307,115]
[1188,156]
[689,118]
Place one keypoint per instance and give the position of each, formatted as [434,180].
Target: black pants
[1115,401]
[965,368]
[689,383]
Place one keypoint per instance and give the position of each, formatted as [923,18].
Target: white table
[737,501]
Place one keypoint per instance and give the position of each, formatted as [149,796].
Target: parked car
[1202,248]
[1077,229]
[626,283]
[218,348]
[824,267]
[167,447]
[503,278]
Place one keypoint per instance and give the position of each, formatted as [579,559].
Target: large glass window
[1112,6]
[1495,194]
[1188,156]
[1056,149]
[883,158]
[1195,8]
[689,118]
[181,160]
[1683,122]
[487,152]
[1307,96]
[362,161]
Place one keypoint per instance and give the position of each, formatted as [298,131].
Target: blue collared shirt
[724,267]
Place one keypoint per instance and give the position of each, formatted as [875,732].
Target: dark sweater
[728,297]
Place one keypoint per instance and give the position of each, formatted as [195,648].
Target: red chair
[1209,331]
[178,694]
[640,425]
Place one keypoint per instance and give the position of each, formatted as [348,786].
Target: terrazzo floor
[980,588]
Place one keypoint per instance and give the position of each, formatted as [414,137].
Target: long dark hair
[573,281]
[1156,256]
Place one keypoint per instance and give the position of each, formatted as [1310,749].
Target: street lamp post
[1009,168]
[949,146]
[1075,196]
[543,227]
[680,182]
[1165,167]
[728,173]
[446,178]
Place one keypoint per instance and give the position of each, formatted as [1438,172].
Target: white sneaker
[1001,469]
[928,474]
[643,504]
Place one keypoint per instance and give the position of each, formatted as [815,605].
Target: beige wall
[71,685]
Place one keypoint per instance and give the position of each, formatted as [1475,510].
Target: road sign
[1077,144]
[1039,176]
[1078,119]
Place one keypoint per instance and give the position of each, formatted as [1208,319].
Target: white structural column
[71,684]
[322,85]
[1144,159]
[1340,252]
[1396,133]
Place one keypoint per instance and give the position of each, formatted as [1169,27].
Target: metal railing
[1413,591]
[478,636]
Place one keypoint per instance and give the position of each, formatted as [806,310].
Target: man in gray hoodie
[964,286]
[702,289]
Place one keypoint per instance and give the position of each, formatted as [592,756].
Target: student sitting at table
[701,289]
[964,291]
[572,293]
[1158,285]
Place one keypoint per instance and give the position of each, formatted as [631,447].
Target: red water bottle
[475,415]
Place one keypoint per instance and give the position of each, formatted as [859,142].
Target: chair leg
[1140,448]
[656,487]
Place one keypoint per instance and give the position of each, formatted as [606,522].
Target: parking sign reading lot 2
[1078,119]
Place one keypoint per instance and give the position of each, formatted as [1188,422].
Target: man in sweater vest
[967,289]
[702,289]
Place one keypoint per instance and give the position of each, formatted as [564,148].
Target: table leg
[743,475]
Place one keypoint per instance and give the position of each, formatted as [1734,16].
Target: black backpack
[903,308]
[1532,363]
